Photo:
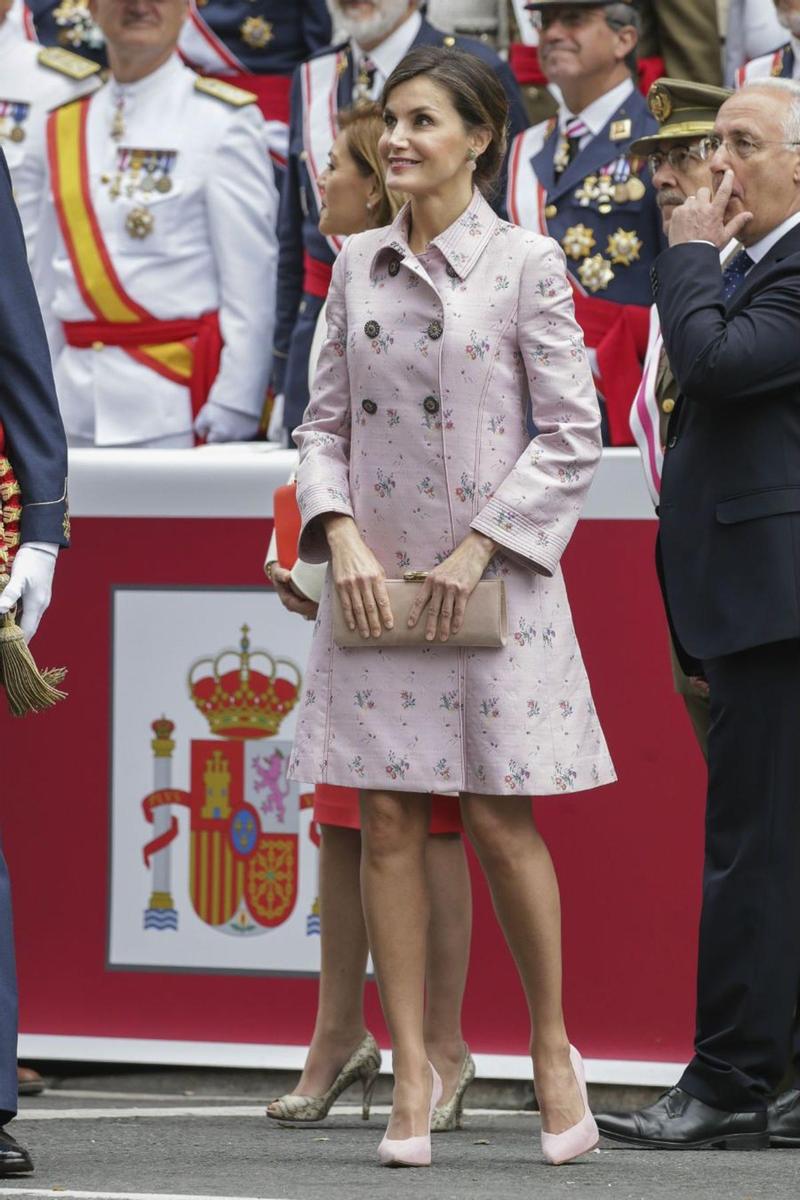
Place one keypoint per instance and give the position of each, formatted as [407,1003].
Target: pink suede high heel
[413,1151]
[558,1148]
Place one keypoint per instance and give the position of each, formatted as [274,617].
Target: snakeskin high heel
[447,1117]
[364,1064]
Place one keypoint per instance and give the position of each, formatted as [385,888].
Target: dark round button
[372,329]
[430,404]
[672,443]
[435,330]
[369,406]
[394,266]
[451,271]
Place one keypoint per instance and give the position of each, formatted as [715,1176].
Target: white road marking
[34,1113]
[66,1194]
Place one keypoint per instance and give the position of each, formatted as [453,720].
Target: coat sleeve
[536,507]
[35,440]
[290,238]
[719,359]
[323,437]
[242,207]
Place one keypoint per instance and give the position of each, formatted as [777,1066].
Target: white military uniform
[20,19]
[34,80]
[210,245]
[753,32]
[781,63]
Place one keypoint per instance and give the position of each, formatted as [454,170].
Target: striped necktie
[574,131]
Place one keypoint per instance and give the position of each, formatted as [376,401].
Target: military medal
[635,188]
[587,192]
[140,222]
[623,247]
[163,184]
[17,134]
[256,32]
[578,241]
[595,273]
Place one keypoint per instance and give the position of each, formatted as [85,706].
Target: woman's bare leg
[339,1025]
[524,889]
[448,954]
[394,832]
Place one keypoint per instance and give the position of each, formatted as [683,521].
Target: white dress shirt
[213,246]
[761,248]
[597,114]
[389,53]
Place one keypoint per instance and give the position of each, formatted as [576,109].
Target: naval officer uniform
[161,259]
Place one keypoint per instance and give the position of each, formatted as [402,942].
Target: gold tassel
[27,688]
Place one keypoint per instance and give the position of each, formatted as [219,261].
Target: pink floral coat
[418,428]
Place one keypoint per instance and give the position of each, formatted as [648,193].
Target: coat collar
[600,151]
[461,244]
[788,245]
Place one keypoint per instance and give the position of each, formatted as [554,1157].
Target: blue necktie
[734,273]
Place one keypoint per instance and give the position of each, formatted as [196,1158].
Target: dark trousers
[8,1002]
[749,957]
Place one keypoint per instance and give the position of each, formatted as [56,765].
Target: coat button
[372,329]
[551,211]
[667,405]
[394,266]
[673,441]
[451,271]
[369,406]
[430,404]
[435,330]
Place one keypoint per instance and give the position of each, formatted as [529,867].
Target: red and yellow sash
[97,280]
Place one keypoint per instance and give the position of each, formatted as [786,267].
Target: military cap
[684,111]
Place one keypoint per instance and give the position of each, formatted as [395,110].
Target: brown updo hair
[475,93]
[363,126]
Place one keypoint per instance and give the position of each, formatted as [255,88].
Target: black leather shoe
[783,1120]
[14,1160]
[678,1121]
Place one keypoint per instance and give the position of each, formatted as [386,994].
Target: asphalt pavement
[113,1145]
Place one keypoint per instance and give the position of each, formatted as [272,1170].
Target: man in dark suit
[729,546]
[379,37]
[37,449]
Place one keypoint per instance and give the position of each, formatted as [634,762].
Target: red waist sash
[316,277]
[618,335]
[204,331]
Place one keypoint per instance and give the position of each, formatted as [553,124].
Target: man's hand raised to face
[701,218]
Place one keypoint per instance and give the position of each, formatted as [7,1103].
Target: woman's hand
[289,598]
[358,578]
[450,585]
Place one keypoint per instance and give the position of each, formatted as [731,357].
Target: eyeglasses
[677,156]
[739,146]
[573,18]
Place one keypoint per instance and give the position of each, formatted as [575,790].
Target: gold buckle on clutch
[415,576]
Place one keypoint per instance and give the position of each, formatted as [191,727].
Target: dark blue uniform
[299,217]
[37,449]
[581,197]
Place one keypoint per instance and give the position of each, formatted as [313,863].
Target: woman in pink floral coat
[445,331]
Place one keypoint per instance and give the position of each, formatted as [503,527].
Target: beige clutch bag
[485,620]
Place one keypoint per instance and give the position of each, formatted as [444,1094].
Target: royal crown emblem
[239,701]
[243,811]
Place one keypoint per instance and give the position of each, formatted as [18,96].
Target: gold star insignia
[256,32]
[578,241]
[623,247]
[595,273]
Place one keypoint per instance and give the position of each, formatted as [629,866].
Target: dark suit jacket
[35,441]
[730,490]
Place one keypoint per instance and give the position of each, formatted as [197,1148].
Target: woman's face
[425,145]
[346,193]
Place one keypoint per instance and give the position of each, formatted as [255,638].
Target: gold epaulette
[67,63]
[226,92]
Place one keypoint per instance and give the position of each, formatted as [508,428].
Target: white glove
[32,583]
[218,424]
